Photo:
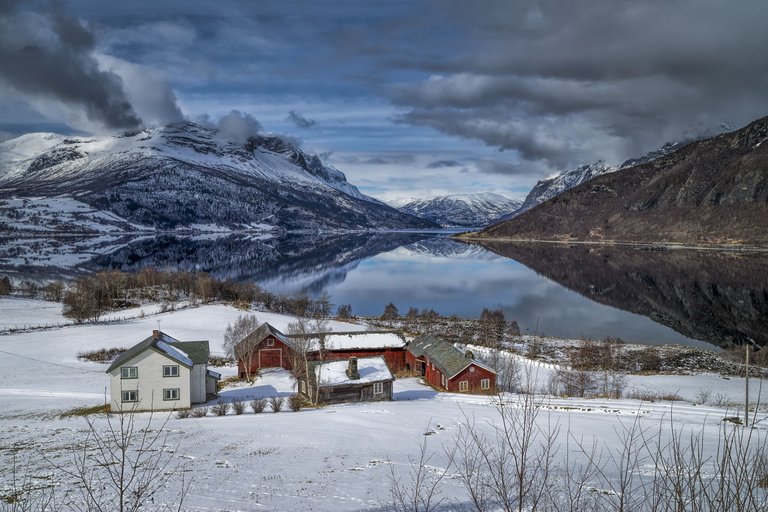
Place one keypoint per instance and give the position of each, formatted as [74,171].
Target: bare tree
[308,342]
[238,343]
[123,467]
[421,490]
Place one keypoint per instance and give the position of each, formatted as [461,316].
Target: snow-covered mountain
[462,210]
[558,183]
[185,175]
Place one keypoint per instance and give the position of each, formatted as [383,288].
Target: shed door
[270,357]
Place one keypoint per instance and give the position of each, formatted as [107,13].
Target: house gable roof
[449,360]
[161,343]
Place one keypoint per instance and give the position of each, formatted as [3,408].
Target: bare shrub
[199,412]
[239,344]
[183,413]
[221,408]
[703,396]
[296,402]
[258,405]
[238,406]
[276,402]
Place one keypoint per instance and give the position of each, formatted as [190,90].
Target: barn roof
[334,373]
[267,329]
[352,340]
[448,359]
[166,345]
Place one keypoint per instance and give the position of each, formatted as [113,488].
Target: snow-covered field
[333,458]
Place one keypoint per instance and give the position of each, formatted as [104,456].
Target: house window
[171,371]
[378,388]
[171,394]
[463,385]
[129,372]
[130,396]
[485,383]
[270,342]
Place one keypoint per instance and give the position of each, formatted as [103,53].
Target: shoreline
[659,246]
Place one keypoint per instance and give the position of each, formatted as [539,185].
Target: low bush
[238,406]
[650,396]
[277,403]
[221,408]
[296,402]
[199,412]
[182,413]
[258,405]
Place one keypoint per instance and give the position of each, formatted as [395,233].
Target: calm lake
[676,296]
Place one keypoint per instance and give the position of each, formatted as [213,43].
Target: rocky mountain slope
[713,191]
[182,176]
[462,210]
[554,185]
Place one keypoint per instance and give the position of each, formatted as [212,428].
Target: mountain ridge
[183,174]
[710,192]
[462,210]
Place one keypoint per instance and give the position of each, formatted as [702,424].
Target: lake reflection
[582,291]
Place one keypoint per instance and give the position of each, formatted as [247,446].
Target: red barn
[267,347]
[446,367]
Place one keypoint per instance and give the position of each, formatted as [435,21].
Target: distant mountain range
[178,176]
[712,191]
[462,210]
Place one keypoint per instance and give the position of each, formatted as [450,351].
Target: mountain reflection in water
[689,297]
[717,296]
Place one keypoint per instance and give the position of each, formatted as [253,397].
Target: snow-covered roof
[175,353]
[371,369]
[360,340]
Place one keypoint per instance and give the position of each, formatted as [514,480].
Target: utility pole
[746,390]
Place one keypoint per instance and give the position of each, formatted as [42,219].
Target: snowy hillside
[462,210]
[323,458]
[186,175]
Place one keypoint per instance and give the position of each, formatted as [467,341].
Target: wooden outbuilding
[365,379]
[445,367]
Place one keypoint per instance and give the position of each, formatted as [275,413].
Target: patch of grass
[86,411]
[650,396]
[102,355]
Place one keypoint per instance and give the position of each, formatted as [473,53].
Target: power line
[50,363]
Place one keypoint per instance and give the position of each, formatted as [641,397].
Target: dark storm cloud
[299,120]
[48,55]
[564,82]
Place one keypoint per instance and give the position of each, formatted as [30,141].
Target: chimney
[156,334]
[352,372]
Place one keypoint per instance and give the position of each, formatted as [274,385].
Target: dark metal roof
[152,343]
[198,351]
[448,359]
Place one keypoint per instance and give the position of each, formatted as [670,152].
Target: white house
[161,373]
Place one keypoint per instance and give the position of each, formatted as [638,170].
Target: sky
[408,98]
